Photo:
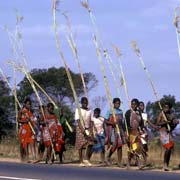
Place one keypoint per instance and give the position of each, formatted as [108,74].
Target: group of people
[44,131]
[95,133]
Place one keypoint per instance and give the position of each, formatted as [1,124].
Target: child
[98,124]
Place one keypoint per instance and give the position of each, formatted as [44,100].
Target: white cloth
[86,115]
[144,116]
[98,123]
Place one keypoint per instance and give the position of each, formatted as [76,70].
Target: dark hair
[27,100]
[135,100]
[98,110]
[84,99]
[168,104]
[116,99]
[43,107]
[50,105]
[141,102]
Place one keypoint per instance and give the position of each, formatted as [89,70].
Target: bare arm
[107,122]
[19,117]
[91,129]
[151,124]
[80,126]
[160,120]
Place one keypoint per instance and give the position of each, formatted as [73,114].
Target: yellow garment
[134,146]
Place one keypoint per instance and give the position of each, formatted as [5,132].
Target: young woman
[49,132]
[27,136]
[112,136]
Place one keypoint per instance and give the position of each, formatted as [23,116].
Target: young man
[27,137]
[135,127]
[84,133]
[98,126]
[112,137]
[165,134]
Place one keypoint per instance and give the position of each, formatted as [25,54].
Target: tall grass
[9,147]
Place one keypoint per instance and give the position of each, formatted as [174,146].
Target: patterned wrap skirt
[166,139]
[81,140]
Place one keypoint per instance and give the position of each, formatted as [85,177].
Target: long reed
[97,40]
[105,82]
[110,64]
[138,53]
[118,53]
[17,45]
[176,24]
[51,100]
[73,47]
[58,45]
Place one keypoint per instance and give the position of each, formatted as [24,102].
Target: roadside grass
[9,148]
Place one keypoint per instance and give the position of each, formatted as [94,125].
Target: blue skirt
[99,146]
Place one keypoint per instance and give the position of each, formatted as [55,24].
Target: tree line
[55,82]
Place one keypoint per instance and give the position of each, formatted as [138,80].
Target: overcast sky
[149,22]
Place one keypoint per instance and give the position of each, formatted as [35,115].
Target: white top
[86,115]
[98,123]
[144,116]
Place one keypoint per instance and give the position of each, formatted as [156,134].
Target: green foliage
[64,114]
[6,109]
[152,108]
[55,82]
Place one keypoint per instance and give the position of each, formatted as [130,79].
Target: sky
[149,22]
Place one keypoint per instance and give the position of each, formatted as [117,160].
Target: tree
[55,82]
[153,109]
[99,102]
[7,114]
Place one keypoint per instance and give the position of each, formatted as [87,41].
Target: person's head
[41,108]
[27,103]
[97,112]
[141,106]
[84,102]
[116,102]
[50,108]
[167,107]
[134,104]
[61,112]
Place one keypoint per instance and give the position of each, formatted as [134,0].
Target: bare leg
[167,156]
[109,157]
[48,156]
[22,153]
[26,149]
[129,159]
[41,150]
[81,155]
[103,156]
[145,155]
[88,152]
[119,155]
[33,150]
